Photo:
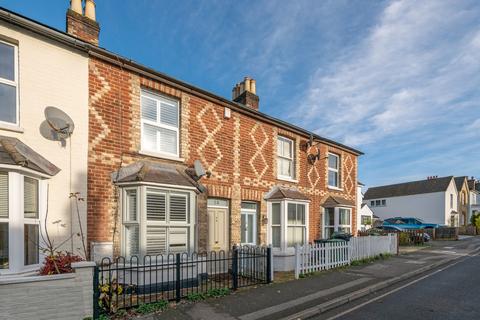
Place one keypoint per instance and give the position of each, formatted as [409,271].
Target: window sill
[287,179]
[11,127]
[334,188]
[161,155]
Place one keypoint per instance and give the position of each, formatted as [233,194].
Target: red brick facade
[240,151]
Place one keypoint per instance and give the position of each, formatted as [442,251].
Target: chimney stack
[83,26]
[245,93]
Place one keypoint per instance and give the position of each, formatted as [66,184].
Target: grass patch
[212,293]
[145,308]
[370,260]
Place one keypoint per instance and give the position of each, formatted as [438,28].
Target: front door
[248,227]
[218,229]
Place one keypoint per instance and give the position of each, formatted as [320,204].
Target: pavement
[318,294]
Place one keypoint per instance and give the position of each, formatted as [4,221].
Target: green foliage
[145,308]
[103,317]
[216,293]
[212,293]
[381,256]
[475,220]
[193,297]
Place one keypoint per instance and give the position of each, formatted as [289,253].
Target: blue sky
[399,80]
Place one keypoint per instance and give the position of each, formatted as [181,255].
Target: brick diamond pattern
[210,133]
[94,100]
[257,162]
[349,167]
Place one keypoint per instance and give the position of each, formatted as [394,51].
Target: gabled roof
[15,152]
[129,64]
[408,188]
[144,171]
[459,182]
[280,193]
[335,201]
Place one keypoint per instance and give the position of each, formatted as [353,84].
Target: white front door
[248,226]
[218,229]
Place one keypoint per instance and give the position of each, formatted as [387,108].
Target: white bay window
[160,124]
[336,219]
[22,205]
[157,221]
[288,224]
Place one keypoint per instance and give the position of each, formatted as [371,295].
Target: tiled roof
[459,182]
[278,193]
[15,152]
[144,171]
[408,188]
[335,201]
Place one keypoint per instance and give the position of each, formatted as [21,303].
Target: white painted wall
[54,75]
[365,211]
[431,207]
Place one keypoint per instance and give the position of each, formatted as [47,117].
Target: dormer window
[8,84]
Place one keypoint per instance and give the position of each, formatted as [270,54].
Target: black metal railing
[123,283]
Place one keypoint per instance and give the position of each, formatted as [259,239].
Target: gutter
[138,68]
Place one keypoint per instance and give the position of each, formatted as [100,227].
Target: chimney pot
[247,84]
[76,6]
[253,87]
[244,93]
[90,9]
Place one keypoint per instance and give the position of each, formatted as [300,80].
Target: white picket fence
[324,256]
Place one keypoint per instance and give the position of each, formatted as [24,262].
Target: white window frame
[283,157]
[284,223]
[142,191]
[16,222]
[13,83]
[327,226]
[336,170]
[158,99]
[249,212]
[337,224]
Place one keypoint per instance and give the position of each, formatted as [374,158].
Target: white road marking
[292,303]
[399,288]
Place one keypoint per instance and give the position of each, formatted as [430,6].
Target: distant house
[474,198]
[364,213]
[435,200]
[463,199]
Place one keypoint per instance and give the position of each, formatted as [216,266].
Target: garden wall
[64,296]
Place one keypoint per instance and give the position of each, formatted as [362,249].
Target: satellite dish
[58,126]
[199,170]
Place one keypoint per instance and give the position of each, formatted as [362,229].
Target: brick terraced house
[266,181]
[258,180]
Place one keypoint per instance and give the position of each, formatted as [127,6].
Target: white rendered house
[38,71]
[433,200]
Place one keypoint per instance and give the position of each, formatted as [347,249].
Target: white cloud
[419,66]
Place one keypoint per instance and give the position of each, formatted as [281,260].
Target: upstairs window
[160,122]
[285,158]
[8,84]
[333,170]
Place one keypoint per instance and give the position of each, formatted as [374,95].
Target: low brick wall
[64,296]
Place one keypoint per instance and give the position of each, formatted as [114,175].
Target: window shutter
[30,196]
[149,109]
[133,240]
[178,240]
[169,114]
[156,240]
[155,207]
[3,195]
[168,140]
[131,205]
[178,208]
